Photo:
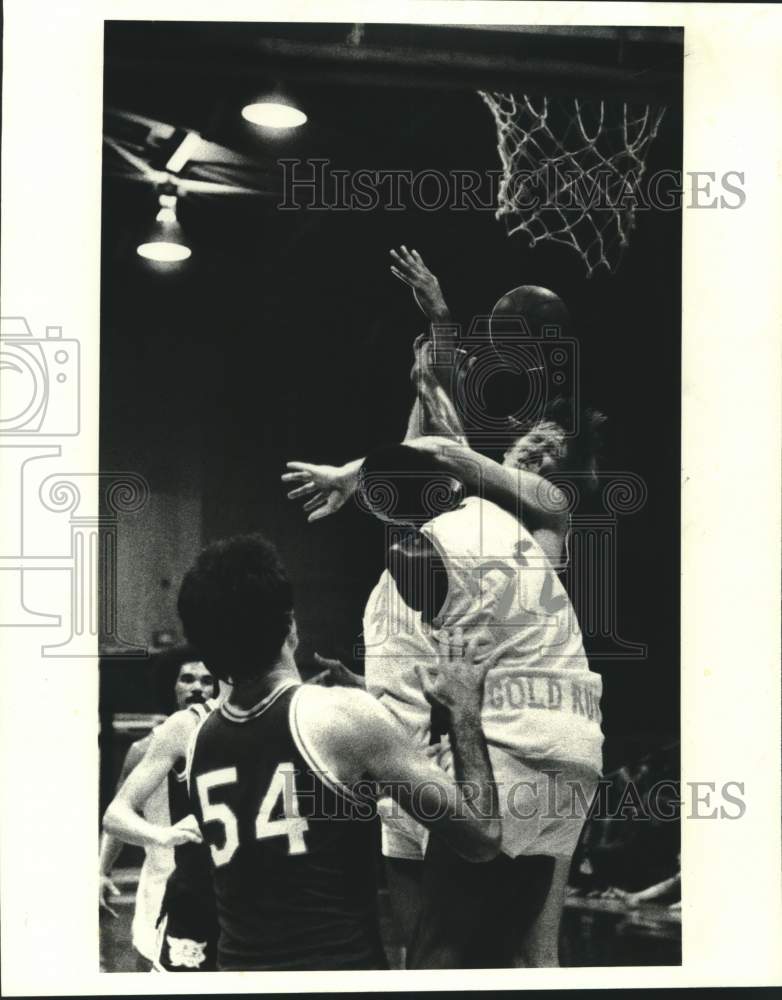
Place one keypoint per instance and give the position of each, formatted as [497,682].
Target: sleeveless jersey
[541,700]
[190,881]
[292,851]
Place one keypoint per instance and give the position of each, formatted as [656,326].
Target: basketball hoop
[570,170]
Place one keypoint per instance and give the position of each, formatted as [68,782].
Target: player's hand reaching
[336,674]
[186,831]
[326,486]
[106,888]
[456,681]
[410,268]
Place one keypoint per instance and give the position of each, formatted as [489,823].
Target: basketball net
[570,168]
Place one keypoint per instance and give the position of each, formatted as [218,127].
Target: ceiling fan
[174,158]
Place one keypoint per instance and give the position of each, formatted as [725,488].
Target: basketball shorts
[187,931]
[544,806]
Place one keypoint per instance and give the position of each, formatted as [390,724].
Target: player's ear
[292,639]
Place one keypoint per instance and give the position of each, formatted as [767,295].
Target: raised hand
[327,486]
[410,268]
[456,681]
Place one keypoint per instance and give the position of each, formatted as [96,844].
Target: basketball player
[283,777]
[520,320]
[183,921]
[193,685]
[523,576]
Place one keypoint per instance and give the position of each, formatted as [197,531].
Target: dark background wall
[286,337]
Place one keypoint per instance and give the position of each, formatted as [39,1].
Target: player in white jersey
[499,567]
[541,715]
[193,684]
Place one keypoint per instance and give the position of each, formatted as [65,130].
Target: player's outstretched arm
[111,847]
[124,819]
[434,382]
[328,487]
[512,489]
[336,674]
[373,745]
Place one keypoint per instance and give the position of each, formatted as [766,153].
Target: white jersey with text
[542,702]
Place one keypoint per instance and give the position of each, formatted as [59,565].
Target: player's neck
[250,693]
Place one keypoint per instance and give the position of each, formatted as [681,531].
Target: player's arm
[336,674]
[433,410]
[111,847]
[515,490]
[124,819]
[464,811]
[328,487]
[434,380]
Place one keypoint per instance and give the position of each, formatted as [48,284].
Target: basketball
[537,307]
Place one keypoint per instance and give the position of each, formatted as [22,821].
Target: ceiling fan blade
[155,176]
[211,187]
[162,129]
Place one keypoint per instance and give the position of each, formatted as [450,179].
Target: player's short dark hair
[407,485]
[585,449]
[236,606]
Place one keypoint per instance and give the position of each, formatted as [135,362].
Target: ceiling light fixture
[273,114]
[166,244]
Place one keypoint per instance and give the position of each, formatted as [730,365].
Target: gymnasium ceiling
[360,86]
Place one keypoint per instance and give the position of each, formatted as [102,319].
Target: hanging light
[163,251]
[273,114]
[166,244]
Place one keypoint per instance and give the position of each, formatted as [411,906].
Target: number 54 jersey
[292,850]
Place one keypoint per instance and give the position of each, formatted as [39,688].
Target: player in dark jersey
[182,680]
[187,922]
[188,915]
[283,778]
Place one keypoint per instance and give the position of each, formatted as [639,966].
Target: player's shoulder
[340,700]
[176,730]
[136,751]
[340,711]
[345,726]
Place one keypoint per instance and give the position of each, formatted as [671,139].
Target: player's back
[293,860]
